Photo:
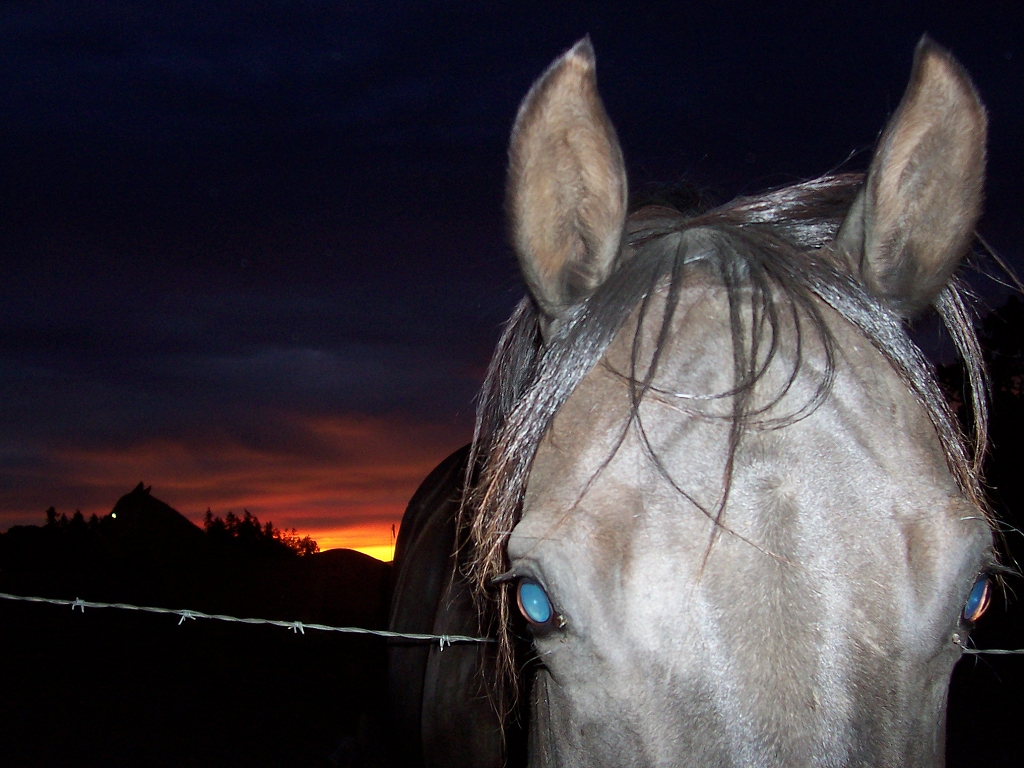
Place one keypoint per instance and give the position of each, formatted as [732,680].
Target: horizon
[371,493]
[370,540]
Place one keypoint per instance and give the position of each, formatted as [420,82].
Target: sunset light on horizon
[344,481]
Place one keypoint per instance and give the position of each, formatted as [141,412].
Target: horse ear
[566,192]
[914,219]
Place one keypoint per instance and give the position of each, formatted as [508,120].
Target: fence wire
[298,627]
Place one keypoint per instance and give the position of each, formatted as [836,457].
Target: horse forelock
[772,253]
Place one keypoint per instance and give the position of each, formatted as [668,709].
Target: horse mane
[772,252]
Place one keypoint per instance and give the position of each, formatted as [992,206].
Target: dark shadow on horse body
[440,712]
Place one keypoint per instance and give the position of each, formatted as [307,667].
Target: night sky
[252,253]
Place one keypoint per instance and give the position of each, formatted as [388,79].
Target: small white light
[113,515]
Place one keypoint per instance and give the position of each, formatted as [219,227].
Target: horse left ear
[914,219]
[566,195]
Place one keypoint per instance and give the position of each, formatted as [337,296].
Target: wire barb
[958,640]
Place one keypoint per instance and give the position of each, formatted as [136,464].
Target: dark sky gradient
[253,253]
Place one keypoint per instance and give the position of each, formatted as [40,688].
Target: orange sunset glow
[344,481]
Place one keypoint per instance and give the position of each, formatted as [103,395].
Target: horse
[717,510]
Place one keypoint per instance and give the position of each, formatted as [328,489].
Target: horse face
[787,595]
[814,626]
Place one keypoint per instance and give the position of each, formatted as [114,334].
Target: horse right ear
[914,219]
[567,192]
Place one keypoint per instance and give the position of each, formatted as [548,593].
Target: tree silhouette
[76,525]
[246,532]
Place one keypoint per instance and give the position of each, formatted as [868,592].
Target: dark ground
[117,689]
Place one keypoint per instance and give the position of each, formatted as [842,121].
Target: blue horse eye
[533,602]
[979,599]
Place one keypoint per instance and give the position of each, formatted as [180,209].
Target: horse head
[718,480]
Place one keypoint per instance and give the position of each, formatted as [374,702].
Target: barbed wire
[301,627]
[960,641]
[298,627]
